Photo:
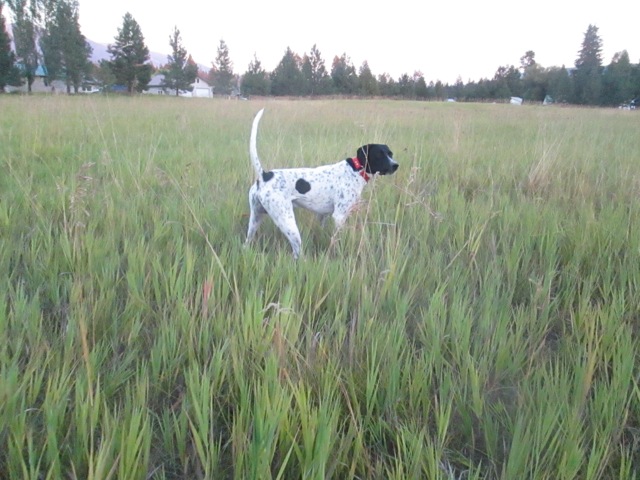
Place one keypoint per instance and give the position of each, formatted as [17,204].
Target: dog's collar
[360,169]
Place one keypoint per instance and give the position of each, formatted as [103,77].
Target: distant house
[156,86]
[200,88]
[41,83]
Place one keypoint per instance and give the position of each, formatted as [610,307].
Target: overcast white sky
[468,38]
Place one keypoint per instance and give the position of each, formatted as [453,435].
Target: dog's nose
[394,167]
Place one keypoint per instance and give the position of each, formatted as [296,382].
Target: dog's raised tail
[253,149]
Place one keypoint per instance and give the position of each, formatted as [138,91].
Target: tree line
[47,32]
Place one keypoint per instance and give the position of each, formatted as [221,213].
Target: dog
[326,190]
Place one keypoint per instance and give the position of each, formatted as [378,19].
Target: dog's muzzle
[391,169]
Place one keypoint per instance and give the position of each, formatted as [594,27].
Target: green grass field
[477,318]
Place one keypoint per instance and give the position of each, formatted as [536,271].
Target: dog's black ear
[363,153]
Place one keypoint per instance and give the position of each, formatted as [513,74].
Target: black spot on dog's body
[266,176]
[302,186]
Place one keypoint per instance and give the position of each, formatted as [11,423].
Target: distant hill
[100,53]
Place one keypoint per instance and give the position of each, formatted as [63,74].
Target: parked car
[89,89]
[630,105]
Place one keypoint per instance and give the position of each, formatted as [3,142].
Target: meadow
[477,318]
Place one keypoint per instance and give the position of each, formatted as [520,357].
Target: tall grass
[476,318]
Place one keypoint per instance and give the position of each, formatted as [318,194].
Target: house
[156,85]
[200,88]
[41,83]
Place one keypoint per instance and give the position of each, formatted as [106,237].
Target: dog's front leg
[340,216]
[341,212]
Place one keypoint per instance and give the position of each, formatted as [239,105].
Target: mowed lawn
[477,318]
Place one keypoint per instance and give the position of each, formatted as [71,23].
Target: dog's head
[377,158]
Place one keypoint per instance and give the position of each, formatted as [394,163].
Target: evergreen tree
[560,86]
[420,85]
[287,77]
[103,74]
[405,86]
[221,75]
[507,82]
[457,90]
[130,57]
[25,14]
[368,86]
[590,55]
[439,90]
[307,73]
[534,78]
[343,74]
[255,81]
[535,83]
[65,50]
[635,83]
[527,60]
[617,81]
[480,90]
[387,85]
[588,73]
[180,70]
[317,80]
[9,73]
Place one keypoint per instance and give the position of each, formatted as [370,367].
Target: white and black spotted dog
[327,190]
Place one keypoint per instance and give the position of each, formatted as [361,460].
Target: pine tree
[534,78]
[588,74]
[507,82]
[617,81]
[130,57]
[25,13]
[527,60]
[439,90]
[65,50]
[405,86]
[343,74]
[590,55]
[386,84]
[420,86]
[287,77]
[560,86]
[221,75]
[314,71]
[9,73]
[368,86]
[180,70]
[255,81]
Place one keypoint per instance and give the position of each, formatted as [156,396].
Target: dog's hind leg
[285,220]
[322,218]
[255,219]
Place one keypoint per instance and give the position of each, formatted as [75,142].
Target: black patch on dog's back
[266,176]
[302,186]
